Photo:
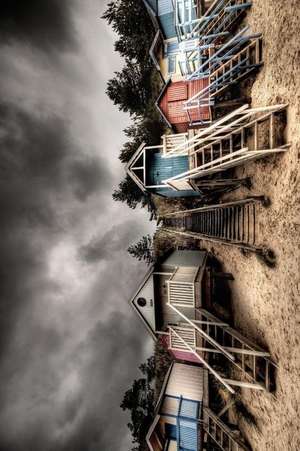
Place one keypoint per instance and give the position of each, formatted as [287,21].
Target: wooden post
[222,275]
[201,7]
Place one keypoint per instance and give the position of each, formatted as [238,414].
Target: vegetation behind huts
[135,88]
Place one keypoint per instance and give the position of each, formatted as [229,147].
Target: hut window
[141,302]
[172,64]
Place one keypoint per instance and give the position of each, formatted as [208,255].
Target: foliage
[148,368]
[141,397]
[163,361]
[134,88]
[130,89]
[139,400]
[143,129]
[143,249]
[128,192]
[130,21]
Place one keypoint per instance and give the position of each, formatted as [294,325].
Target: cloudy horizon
[70,343]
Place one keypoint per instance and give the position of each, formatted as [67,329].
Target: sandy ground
[266,301]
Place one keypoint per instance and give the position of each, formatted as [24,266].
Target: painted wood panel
[147,310]
[184,356]
[169,406]
[164,7]
[160,169]
[187,381]
[177,91]
[167,25]
[172,103]
[185,258]
[188,436]
[155,443]
[172,446]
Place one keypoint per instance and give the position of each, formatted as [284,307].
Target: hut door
[161,169]
[177,94]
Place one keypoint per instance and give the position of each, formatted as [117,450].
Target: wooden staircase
[238,67]
[243,135]
[222,435]
[233,223]
[205,335]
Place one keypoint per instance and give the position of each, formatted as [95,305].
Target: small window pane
[172,64]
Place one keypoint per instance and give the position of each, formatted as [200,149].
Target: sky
[70,344]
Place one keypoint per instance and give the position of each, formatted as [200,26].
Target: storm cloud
[103,247]
[47,25]
[68,346]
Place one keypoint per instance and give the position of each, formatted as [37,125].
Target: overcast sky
[70,345]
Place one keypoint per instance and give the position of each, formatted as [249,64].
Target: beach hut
[183,420]
[164,170]
[246,134]
[171,104]
[148,169]
[165,50]
[174,302]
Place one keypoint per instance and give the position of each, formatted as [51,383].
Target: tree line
[141,397]
[134,88]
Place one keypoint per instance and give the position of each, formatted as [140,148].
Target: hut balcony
[184,286]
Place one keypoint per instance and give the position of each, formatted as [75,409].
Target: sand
[266,301]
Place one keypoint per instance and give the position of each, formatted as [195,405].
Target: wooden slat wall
[177,91]
[172,103]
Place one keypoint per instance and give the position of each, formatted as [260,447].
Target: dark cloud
[40,160]
[103,247]
[87,176]
[44,24]
[114,364]
[68,350]
[47,409]
[39,167]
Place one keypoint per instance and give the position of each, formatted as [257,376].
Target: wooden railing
[221,433]
[172,141]
[179,336]
[225,143]
[181,286]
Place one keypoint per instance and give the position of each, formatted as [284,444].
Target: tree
[130,193]
[130,89]
[130,20]
[143,129]
[143,249]
[134,88]
[139,400]
[148,369]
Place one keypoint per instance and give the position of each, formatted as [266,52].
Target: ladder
[221,434]
[253,362]
[231,223]
[239,66]
[206,337]
[186,17]
[211,28]
[219,19]
[243,135]
[219,54]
